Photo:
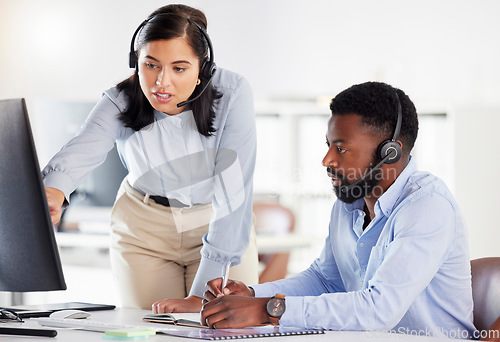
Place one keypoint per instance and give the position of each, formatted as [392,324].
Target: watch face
[276,307]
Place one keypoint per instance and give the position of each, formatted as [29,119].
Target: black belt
[168,202]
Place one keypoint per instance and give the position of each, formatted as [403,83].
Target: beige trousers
[155,250]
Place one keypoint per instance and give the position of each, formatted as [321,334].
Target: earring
[198,82]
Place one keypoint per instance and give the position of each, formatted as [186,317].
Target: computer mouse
[78,314]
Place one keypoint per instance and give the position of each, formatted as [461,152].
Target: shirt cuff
[208,270]
[294,312]
[261,290]
[59,180]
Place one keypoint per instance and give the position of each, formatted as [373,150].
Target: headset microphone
[389,150]
[349,187]
[183,103]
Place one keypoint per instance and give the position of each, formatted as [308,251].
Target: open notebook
[193,320]
[185,319]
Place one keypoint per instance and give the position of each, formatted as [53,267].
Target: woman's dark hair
[170,22]
[377,104]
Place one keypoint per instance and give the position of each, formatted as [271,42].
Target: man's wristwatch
[275,308]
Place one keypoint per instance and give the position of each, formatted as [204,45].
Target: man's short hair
[376,103]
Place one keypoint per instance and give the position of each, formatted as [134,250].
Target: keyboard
[83,324]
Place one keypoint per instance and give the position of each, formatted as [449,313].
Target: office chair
[277,220]
[486,294]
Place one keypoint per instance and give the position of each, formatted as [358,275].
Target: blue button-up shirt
[408,271]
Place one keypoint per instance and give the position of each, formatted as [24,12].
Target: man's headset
[207,69]
[388,150]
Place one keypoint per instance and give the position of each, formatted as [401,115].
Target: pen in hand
[225,275]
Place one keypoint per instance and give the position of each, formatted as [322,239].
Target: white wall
[442,53]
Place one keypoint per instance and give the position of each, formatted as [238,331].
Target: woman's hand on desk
[55,200]
[188,304]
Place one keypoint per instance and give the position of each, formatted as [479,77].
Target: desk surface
[134,317]
[265,243]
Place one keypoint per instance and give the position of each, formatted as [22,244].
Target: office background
[297,55]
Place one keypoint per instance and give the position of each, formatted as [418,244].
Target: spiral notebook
[228,334]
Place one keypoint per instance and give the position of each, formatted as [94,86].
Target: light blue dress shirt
[170,158]
[407,272]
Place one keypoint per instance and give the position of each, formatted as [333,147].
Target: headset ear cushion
[207,69]
[132,59]
[389,147]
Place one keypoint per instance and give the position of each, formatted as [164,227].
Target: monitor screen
[29,258]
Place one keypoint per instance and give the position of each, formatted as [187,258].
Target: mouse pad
[44,310]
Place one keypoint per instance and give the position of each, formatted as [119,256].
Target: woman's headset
[208,66]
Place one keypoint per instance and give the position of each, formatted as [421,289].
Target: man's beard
[351,194]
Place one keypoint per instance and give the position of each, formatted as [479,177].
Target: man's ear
[404,154]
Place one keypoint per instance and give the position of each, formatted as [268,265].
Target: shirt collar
[387,201]
[184,115]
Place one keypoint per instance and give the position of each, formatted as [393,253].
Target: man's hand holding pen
[231,304]
[233,307]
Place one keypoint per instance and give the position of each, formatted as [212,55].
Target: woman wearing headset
[185,131]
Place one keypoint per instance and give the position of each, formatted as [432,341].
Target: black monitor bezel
[29,257]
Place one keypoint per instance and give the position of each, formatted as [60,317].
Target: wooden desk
[134,317]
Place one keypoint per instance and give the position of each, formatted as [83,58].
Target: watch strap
[274,320]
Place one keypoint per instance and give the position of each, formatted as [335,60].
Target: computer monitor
[29,258]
